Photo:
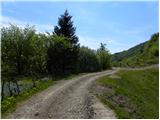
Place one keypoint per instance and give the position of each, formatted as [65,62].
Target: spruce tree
[66,29]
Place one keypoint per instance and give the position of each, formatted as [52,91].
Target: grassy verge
[133,94]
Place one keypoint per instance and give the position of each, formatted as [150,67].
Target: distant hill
[144,54]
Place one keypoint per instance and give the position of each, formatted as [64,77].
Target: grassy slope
[141,55]
[134,95]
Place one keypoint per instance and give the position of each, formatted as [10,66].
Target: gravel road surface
[68,99]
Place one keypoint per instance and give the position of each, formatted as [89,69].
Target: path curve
[66,99]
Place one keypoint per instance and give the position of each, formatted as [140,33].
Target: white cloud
[6,21]
[88,41]
[94,43]
[10,10]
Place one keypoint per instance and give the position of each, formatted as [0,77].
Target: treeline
[27,53]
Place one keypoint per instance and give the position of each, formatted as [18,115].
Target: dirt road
[66,99]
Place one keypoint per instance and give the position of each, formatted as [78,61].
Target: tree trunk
[9,88]
[2,92]
[19,67]
[18,90]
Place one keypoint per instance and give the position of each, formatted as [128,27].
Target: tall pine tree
[66,29]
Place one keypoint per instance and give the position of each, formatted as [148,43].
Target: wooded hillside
[141,55]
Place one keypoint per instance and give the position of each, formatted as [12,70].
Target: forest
[27,53]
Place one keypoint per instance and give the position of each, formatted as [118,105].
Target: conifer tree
[66,29]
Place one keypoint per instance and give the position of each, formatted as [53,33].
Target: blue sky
[120,25]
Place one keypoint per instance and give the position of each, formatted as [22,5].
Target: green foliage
[137,90]
[26,53]
[39,59]
[17,47]
[88,60]
[30,54]
[66,29]
[104,57]
[57,53]
[141,55]
[91,60]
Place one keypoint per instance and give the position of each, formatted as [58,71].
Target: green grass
[136,93]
